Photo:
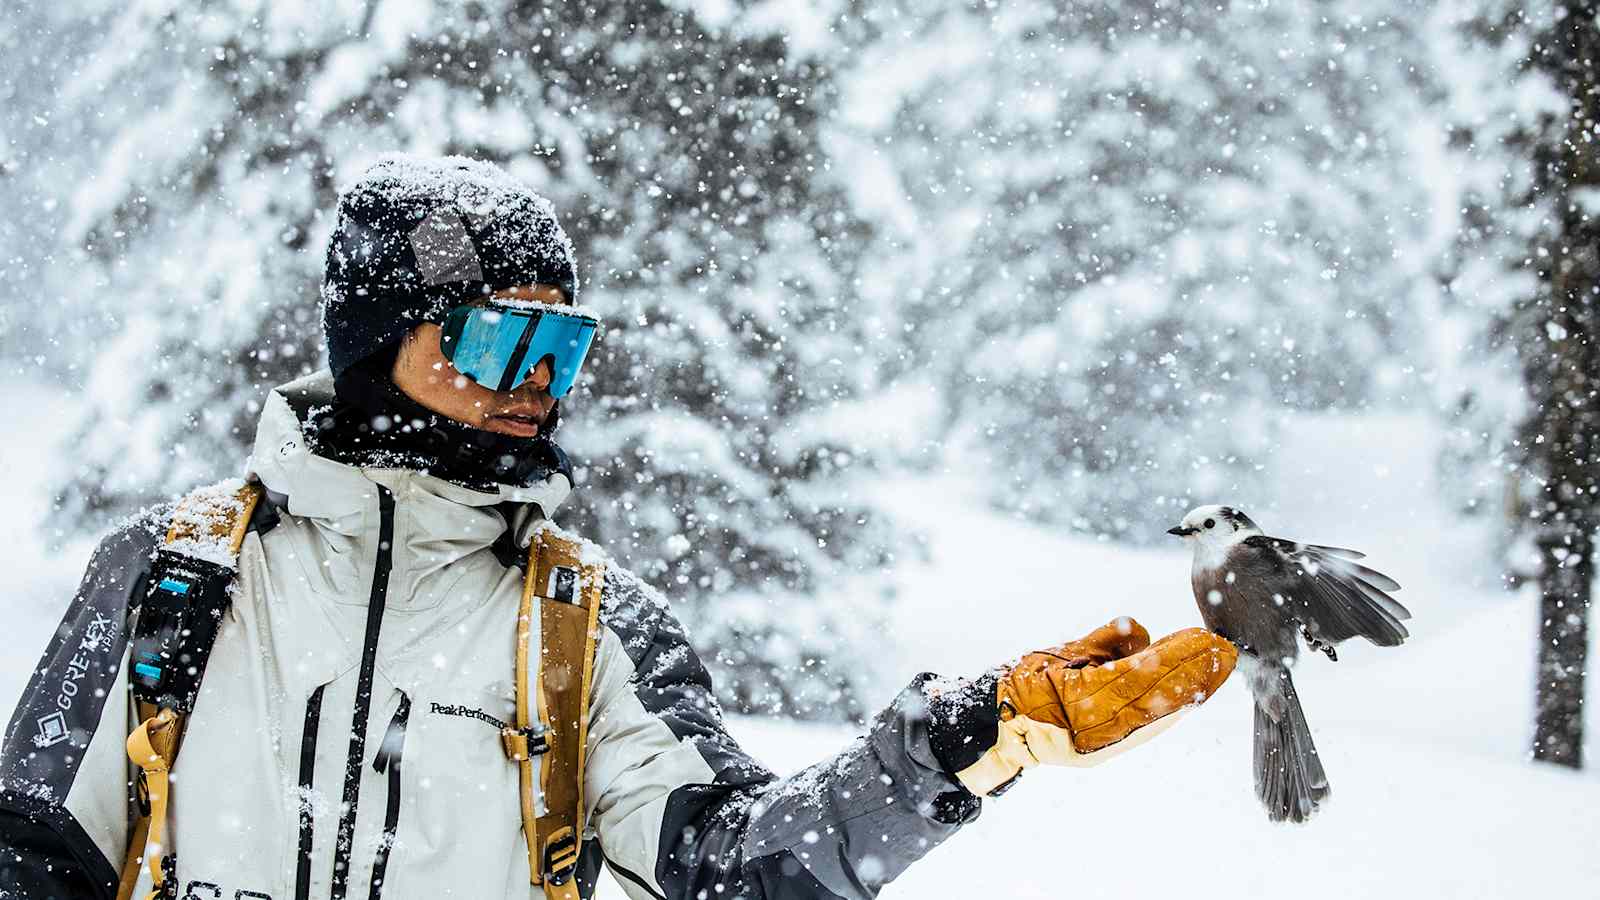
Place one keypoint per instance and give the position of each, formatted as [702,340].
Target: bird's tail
[1289,776]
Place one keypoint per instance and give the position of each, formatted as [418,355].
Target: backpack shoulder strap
[185,597]
[567,576]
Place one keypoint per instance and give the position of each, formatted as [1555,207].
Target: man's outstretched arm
[682,812]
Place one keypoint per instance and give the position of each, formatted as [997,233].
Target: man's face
[424,375]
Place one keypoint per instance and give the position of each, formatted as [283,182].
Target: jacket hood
[320,488]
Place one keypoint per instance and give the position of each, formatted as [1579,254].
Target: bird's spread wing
[1336,597]
[1333,551]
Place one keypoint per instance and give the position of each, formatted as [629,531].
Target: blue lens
[499,347]
[565,340]
[486,345]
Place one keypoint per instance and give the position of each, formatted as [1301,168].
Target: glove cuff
[964,721]
[999,767]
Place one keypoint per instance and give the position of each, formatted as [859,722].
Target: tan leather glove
[1090,699]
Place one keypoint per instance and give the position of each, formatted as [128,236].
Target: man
[346,737]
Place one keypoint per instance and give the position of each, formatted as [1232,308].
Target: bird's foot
[1316,643]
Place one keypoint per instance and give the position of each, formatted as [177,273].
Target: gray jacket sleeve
[63,771]
[680,811]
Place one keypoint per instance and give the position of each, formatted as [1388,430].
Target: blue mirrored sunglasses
[498,346]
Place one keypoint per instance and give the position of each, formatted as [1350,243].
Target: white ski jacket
[345,742]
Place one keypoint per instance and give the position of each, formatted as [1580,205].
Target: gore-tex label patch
[99,637]
[52,730]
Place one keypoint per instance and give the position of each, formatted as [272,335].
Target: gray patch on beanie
[444,250]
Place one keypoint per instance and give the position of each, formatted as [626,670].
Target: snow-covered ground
[1425,745]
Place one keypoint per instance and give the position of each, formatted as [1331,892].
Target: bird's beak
[1181,531]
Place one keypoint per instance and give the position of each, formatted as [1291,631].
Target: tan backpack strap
[205,518]
[568,589]
[210,516]
[153,747]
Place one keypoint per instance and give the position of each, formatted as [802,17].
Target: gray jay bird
[1262,593]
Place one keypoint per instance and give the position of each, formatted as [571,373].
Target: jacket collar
[338,495]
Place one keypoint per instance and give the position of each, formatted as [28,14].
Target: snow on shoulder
[640,615]
[589,553]
[657,643]
[201,525]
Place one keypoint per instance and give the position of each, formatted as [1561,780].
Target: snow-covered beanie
[415,238]
[418,236]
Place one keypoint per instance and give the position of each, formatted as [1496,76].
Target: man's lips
[518,424]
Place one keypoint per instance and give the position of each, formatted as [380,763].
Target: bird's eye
[1211,523]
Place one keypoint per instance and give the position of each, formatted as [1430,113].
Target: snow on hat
[417,236]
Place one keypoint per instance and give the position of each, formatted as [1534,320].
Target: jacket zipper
[308,766]
[388,760]
[363,704]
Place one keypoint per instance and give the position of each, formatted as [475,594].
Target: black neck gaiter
[373,424]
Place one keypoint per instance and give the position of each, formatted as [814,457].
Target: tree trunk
[1564,604]
[1561,367]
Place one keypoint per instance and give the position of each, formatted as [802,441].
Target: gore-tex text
[98,638]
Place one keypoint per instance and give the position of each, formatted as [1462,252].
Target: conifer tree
[1137,233]
[1525,268]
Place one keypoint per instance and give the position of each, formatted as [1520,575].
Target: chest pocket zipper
[388,760]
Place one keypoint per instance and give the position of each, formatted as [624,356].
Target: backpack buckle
[564,585]
[522,744]
[561,856]
[169,878]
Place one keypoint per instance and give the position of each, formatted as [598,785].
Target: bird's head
[1215,526]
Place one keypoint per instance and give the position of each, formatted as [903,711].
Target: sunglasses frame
[517,366]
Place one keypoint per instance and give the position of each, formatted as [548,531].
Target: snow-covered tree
[1490,96]
[1546,316]
[1134,231]
[681,153]
[1521,309]
[1105,245]
[39,152]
